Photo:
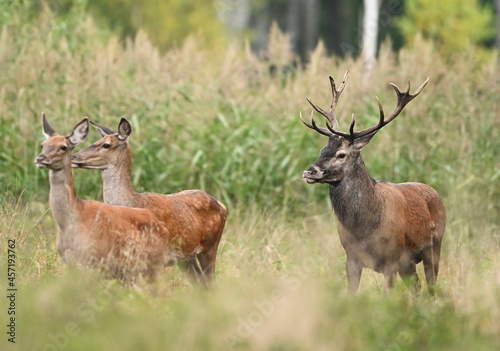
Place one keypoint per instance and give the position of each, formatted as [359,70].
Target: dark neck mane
[355,201]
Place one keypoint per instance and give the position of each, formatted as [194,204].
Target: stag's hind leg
[192,267]
[195,270]
[430,258]
[431,253]
[201,267]
[207,263]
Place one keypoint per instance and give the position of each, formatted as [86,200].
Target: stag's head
[110,151]
[339,156]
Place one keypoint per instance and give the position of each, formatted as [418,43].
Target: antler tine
[380,111]
[330,115]
[335,99]
[403,100]
[351,128]
[421,87]
[314,126]
[319,110]
[342,134]
[344,81]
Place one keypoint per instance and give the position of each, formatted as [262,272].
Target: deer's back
[102,231]
[194,218]
[420,209]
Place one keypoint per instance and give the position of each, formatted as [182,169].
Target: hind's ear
[79,132]
[104,131]
[46,127]
[124,129]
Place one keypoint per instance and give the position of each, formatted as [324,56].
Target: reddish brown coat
[128,241]
[194,218]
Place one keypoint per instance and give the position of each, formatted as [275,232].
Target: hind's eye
[63,148]
[106,146]
[341,155]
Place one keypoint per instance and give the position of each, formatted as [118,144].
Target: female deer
[194,218]
[127,241]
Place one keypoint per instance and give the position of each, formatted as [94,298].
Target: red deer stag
[382,226]
[127,241]
[194,219]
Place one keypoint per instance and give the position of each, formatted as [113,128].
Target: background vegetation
[226,121]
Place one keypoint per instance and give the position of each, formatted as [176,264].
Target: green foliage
[453,26]
[232,128]
[166,22]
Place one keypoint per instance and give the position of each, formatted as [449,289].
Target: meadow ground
[226,121]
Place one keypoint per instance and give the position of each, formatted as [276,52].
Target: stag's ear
[104,131]
[362,141]
[124,129]
[79,132]
[47,128]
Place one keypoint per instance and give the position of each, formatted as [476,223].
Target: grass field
[227,122]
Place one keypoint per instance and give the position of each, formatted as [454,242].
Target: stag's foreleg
[353,270]
[430,258]
[408,272]
[389,273]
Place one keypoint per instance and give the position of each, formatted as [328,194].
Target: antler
[403,100]
[330,115]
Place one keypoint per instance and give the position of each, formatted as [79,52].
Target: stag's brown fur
[194,218]
[403,225]
[382,226]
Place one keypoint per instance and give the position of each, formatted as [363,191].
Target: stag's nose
[309,172]
[312,175]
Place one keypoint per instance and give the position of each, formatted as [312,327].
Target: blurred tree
[497,7]
[390,11]
[337,21]
[370,32]
[166,21]
[452,25]
[235,14]
[298,18]
[116,14]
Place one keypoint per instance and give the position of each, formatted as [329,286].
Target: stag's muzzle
[312,175]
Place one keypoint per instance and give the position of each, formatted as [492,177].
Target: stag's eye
[63,148]
[106,146]
[341,155]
